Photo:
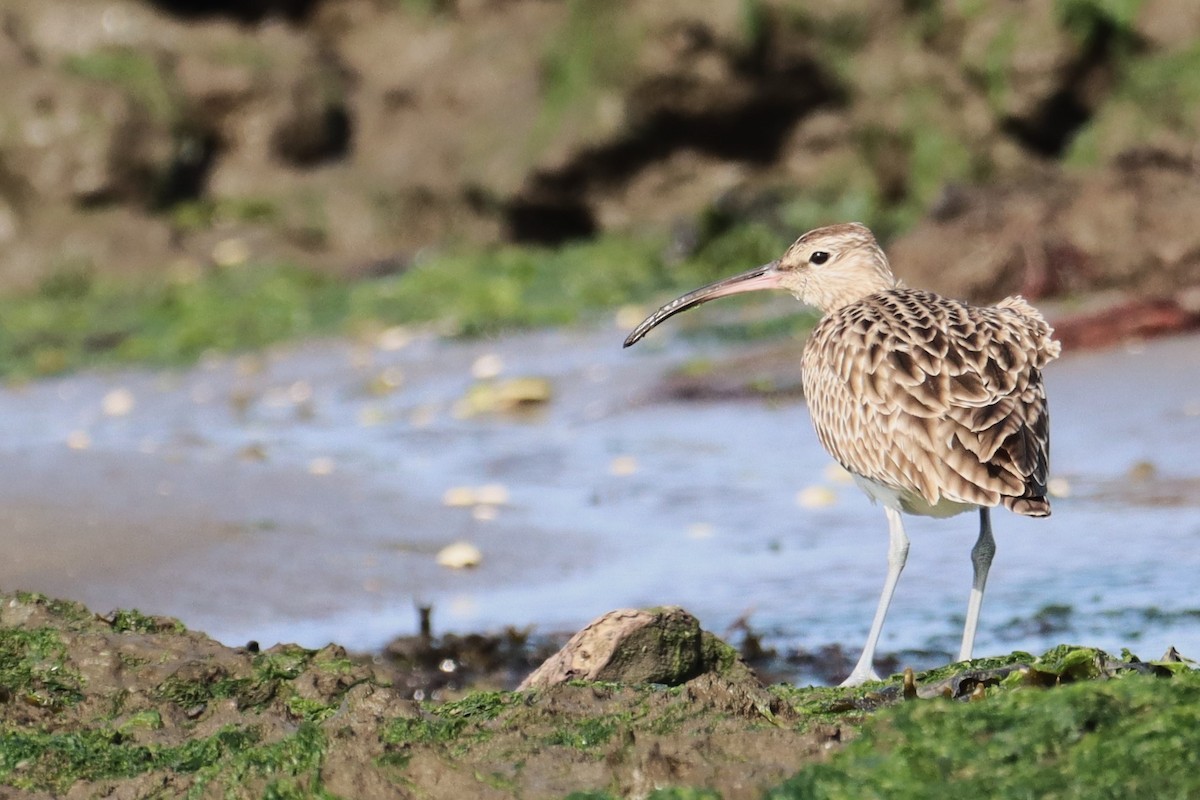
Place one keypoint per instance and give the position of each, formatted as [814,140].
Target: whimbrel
[934,406]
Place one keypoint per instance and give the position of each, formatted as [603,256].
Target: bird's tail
[1048,348]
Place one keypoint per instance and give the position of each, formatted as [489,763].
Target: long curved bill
[764,277]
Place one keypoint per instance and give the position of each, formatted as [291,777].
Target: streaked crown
[836,265]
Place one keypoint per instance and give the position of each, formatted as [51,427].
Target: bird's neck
[837,291]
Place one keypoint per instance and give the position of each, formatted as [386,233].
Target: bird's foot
[860,676]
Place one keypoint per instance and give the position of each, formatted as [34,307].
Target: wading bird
[934,406]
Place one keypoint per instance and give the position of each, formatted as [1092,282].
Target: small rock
[487,367]
[507,396]
[300,392]
[623,466]
[321,466]
[1142,471]
[459,497]
[79,440]
[492,494]
[395,338]
[250,365]
[422,416]
[370,416]
[629,316]
[1058,487]
[386,382]
[660,645]
[460,555]
[484,513]
[117,403]
[253,452]
[816,497]
[232,252]
[836,473]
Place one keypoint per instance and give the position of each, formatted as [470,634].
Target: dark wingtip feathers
[1028,506]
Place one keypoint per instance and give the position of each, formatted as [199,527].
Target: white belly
[910,502]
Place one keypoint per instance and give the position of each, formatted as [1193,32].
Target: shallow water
[297,496]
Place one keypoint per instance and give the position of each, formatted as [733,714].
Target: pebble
[487,366]
[507,396]
[484,513]
[253,452]
[459,497]
[1142,471]
[816,496]
[300,392]
[422,416]
[387,381]
[250,365]
[488,496]
[629,316]
[460,555]
[493,494]
[79,440]
[231,252]
[395,338]
[836,473]
[623,466]
[117,403]
[1058,487]
[370,416]
[320,466]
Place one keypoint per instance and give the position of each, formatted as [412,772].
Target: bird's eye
[818,257]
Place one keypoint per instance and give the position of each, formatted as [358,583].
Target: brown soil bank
[349,134]
[142,707]
[133,706]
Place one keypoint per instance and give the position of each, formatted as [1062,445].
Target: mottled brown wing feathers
[937,397]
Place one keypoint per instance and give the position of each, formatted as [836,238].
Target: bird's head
[827,268]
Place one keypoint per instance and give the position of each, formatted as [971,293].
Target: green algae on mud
[1111,728]
[78,318]
[128,697]
[1134,736]
[139,705]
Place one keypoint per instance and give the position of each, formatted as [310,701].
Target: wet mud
[305,494]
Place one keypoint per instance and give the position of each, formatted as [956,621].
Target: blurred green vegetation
[78,318]
[1155,103]
[135,73]
[206,213]
[424,7]
[1085,17]
[588,58]
[889,170]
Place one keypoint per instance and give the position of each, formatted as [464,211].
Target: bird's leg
[864,670]
[981,560]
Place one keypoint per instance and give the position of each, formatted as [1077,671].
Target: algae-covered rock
[659,645]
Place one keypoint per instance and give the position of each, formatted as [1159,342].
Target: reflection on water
[305,496]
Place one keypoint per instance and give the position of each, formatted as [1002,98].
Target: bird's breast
[909,501]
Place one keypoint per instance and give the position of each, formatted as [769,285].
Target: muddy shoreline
[138,706]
